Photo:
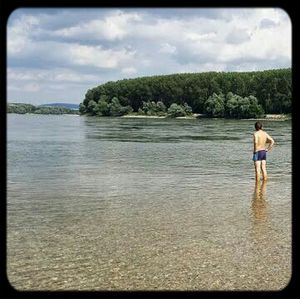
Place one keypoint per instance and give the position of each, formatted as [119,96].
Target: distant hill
[64,105]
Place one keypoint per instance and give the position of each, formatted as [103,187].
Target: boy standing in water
[260,139]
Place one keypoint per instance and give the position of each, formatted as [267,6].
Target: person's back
[261,140]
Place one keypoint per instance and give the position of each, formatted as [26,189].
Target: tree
[161,108]
[92,107]
[239,107]
[103,108]
[187,109]
[82,108]
[214,106]
[116,109]
[176,110]
[255,110]
[153,108]
[231,107]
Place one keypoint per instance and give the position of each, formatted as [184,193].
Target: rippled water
[145,204]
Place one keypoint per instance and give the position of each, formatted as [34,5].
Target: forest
[22,108]
[215,94]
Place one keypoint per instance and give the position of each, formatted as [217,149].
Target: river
[145,204]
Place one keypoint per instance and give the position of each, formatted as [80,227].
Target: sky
[56,55]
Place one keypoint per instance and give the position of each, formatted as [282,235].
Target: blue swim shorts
[260,155]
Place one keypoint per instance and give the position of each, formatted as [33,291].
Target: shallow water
[145,204]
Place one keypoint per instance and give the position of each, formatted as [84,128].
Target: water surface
[145,204]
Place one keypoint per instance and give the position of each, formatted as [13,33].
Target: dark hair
[258,125]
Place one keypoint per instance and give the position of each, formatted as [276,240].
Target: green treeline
[21,108]
[217,94]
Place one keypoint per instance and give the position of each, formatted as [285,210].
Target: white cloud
[96,56]
[112,27]
[129,70]
[267,23]
[238,36]
[53,75]
[198,37]
[31,87]
[19,33]
[167,48]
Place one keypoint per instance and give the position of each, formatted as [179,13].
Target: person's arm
[254,142]
[270,141]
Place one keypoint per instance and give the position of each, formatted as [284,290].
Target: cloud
[238,36]
[19,33]
[267,23]
[167,48]
[96,56]
[200,37]
[53,75]
[111,27]
[58,54]
[129,70]
[39,86]
[31,87]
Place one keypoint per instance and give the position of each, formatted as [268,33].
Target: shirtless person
[260,139]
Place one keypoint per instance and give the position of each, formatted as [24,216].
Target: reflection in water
[260,212]
[259,203]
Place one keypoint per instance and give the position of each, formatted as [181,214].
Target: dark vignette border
[6,8]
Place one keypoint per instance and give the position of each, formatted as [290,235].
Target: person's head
[258,125]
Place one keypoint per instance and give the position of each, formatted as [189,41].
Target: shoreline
[279,117]
[273,117]
[194,116]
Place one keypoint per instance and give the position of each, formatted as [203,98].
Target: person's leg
[257,170]
[264,169]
